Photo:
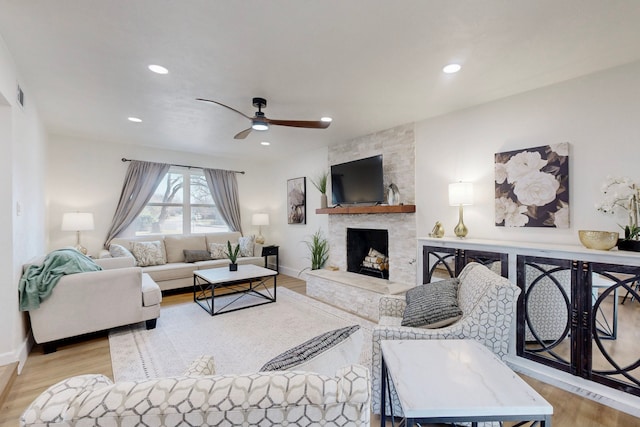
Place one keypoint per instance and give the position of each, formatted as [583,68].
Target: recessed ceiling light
[265,143]
[451,68]
[158,69]
[134,119]
[326,119]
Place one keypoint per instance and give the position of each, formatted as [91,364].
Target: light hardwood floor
[91,355]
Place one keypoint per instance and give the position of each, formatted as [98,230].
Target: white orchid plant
[622,195]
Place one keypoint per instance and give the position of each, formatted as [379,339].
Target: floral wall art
[532,187]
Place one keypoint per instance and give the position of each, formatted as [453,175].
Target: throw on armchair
[488,303]
[202,398]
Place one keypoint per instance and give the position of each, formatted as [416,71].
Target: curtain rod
[181,166]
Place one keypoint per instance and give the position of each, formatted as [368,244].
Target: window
[182,204]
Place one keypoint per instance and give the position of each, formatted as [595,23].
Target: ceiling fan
[260,122]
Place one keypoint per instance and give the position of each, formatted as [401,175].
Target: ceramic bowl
[603,240]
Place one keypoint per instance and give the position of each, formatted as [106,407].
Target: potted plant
[232,254]
[623,195]
[318,250]
[320,182]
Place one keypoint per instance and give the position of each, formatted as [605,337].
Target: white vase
[393,195]
[323,201]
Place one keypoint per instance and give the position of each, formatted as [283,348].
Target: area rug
[240,341]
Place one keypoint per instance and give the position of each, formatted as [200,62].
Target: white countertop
[223,274]
[457,378]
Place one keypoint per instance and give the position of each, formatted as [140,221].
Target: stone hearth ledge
[352,292]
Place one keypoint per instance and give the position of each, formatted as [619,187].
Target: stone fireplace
[397,146]
[401,230]
[368,251]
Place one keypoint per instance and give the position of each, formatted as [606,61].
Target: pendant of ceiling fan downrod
[259,103]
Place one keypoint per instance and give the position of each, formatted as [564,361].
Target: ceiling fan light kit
[257,125]
[260,122]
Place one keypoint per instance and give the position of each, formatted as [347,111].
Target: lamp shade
[460,193]
[77,221]
[260,219]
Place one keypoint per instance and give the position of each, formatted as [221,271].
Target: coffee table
[447,381]
[247,287]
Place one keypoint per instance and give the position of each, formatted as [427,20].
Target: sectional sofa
[119,294]
[173,270]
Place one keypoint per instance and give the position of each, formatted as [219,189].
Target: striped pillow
[432,305]
[323,354]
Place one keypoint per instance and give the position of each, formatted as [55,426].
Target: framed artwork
[532,187]
[296,200]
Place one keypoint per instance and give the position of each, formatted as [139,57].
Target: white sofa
[199,397]
[93,301]
[176,273]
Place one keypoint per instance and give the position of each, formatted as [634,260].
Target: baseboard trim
[8,374]
[19,354]
[624,402]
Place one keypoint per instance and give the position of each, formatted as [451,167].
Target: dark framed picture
[297,201]
[532,187]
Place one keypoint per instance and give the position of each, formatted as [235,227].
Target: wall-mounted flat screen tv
[358,182]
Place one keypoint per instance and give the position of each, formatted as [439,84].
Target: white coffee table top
[457,378]
[223,275]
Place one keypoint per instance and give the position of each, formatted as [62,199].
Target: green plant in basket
[232,253]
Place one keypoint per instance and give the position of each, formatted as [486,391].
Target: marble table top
[244,272]
[457,378]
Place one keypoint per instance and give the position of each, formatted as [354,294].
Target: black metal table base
[204,293]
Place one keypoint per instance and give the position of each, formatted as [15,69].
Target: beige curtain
[140,183]
[224,190]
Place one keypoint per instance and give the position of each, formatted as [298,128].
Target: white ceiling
[369,64]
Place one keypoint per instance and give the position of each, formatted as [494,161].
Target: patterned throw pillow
[323,354]
[219,250]
[148,253]
[432,305]
[194,255]
[246,245]
[118,251]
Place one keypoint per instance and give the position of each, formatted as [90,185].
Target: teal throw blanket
[38,281]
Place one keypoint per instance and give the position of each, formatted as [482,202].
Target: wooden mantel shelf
[380,209]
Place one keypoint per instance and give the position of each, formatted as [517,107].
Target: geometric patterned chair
[202,398]
[488,303]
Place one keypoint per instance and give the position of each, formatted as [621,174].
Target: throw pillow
[432,305]
[117,251]
[148,253]
[246,245]
[194,255]
[323,354]
[219,250]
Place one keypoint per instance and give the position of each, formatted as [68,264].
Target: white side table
[445,381]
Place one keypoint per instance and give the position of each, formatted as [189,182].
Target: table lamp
[260,219]
[460,194]
[77,221]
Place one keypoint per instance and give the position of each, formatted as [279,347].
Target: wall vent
[20,96]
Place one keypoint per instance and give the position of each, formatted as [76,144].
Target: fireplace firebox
[368,252]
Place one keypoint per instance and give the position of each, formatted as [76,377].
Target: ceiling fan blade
[225,106]
[312,124]
[243,134]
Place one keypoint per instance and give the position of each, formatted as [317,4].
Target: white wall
[597,114]
[294,255]
[88,176]
[22,210]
